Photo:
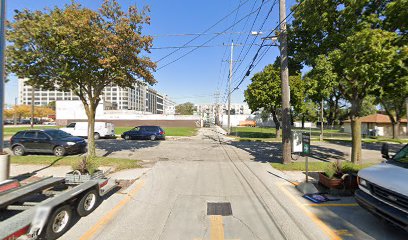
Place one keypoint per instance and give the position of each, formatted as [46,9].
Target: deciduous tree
[82,50]
[185,108]
[359,65]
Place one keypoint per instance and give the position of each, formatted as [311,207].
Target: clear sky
[197,76]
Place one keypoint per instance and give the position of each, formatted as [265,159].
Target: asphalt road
[171,200]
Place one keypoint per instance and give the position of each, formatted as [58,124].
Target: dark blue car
[145,132]
[46,141]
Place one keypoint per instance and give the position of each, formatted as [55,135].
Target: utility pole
[321,120]
[229,89]
[2,72]
[4,157]
[231,61]
[286,123]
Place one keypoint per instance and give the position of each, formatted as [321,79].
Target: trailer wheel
[58,223]
[88,203]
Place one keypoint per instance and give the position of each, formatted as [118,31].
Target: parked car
[46,141]
[145,132]
[80,129]
[383,188]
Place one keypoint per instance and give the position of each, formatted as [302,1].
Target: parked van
[80,129]
[384,188]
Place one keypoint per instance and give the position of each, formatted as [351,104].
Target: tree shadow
[393,147]
[272,152]
[111,146]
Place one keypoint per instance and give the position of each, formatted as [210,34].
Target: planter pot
[76,177]
[330,182]
[4,167]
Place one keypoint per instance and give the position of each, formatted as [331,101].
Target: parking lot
[211,167]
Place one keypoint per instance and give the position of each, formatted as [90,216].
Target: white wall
[74,110]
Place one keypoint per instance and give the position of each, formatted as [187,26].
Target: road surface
[172,200]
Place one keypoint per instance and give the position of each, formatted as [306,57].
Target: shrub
[85,165]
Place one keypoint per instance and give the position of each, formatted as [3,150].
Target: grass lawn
[313,166]
[253,132]
[170,131]
[116,163]
[260,134]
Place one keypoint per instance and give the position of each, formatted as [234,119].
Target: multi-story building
[169,106]
[140,98]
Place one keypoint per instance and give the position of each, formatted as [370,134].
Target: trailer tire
[88,203]
[58,223]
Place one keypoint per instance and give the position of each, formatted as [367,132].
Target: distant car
[46,141]
[145,132]
[50,123]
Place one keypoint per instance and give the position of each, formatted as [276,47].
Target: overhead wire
[205,31]
[251,66]
[182,56]
[225,51]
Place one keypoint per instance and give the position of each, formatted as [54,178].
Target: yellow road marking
[332,204]
[326,229]
[344,232]
[216,227]
[112,213]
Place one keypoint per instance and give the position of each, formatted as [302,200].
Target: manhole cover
[220,208]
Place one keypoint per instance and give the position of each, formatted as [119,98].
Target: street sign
[297,142]
[306,144]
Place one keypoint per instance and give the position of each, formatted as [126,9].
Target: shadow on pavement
[393,147]
[271,151]
[112,145]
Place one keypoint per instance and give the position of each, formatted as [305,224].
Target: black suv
[145,132]
[46,141]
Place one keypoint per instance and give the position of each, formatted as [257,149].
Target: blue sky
[197,76]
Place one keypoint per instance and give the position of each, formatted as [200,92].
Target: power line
[246,22]
[197,46]
[253,41]
[182,56]
[251,66]
[199,34]
[205,31]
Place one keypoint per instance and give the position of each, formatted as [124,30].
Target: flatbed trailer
[44,209]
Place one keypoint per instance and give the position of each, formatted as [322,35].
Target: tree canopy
[82,50]
[185,108]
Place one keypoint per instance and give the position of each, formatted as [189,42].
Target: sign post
[306,152]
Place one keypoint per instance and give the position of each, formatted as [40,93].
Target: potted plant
[339,175]
[332,176]
[83,170]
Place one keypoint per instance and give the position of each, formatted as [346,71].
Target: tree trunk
[356,140]
[91,131]
[303,121]
[32,107]
[395,130]
[277,123]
